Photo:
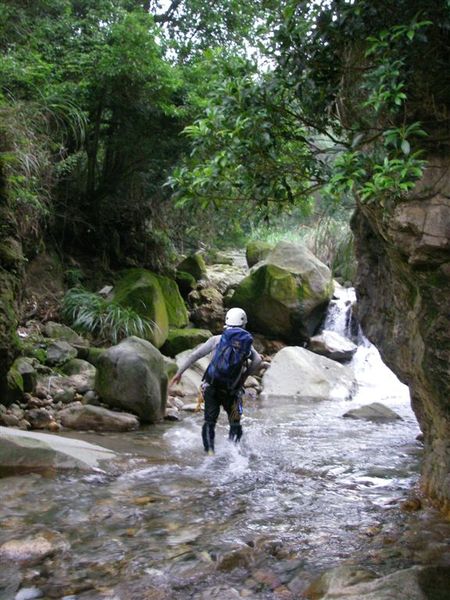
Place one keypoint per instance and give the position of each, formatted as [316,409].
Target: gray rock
[172,414]
[33,549]
[39,418]
[88,417]
[24,451]
[25,368]
[60,352]
[332,345]
[353,583]
[132,376]
[373,412]
[61,332]
[66,395]
[77,366]
[298,373]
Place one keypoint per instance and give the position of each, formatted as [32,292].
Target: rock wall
[403,287]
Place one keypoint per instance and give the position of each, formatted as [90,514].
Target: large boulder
[286,295]
[176,309]
[132,377]
[22,451]
[184,339]
[298,373]
[140,290]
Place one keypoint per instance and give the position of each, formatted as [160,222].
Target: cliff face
[403,287]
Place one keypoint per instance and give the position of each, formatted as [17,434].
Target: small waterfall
[340,317]
[375,380]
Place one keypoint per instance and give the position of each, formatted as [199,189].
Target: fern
[90,313]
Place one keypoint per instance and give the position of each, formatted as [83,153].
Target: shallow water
[303,492]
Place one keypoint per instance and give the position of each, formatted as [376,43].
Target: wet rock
[240,558]
[411,505]
[267,578]
[24,451]
[332,345]
[88,417]
[219,593]
[39,418]
[172,414]
[33,549]
[373,412]
[61,332]
[29,593]
[348,583]
[299,373]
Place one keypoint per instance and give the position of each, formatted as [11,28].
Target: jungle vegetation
[131,130]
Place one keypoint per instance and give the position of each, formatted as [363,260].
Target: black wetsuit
[215,397]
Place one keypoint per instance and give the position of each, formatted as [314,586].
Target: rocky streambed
[308,492]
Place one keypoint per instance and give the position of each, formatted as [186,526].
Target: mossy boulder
[286,295]
[59,331]
[176,309]
[194,265]
[184,339]
[140,290]
[186,283]
[24,366]
[132,376]
[257,251]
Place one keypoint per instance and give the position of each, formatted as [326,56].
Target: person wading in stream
[233,361]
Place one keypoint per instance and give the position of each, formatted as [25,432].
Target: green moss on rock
[179,340]
[194,265]
[256,251]
[140,290]
[185,282]
[176,309]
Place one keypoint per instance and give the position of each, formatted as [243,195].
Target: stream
[305,491]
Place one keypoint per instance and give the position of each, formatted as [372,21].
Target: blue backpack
[231,353]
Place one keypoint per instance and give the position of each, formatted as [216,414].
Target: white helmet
[236,317]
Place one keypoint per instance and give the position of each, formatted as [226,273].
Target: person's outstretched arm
[198,353]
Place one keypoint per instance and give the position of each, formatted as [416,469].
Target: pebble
[28,594]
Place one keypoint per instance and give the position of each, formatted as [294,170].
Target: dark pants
[216,397]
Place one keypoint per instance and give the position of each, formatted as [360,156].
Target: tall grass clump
[88,312]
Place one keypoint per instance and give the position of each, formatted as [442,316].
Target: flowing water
[306,490]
